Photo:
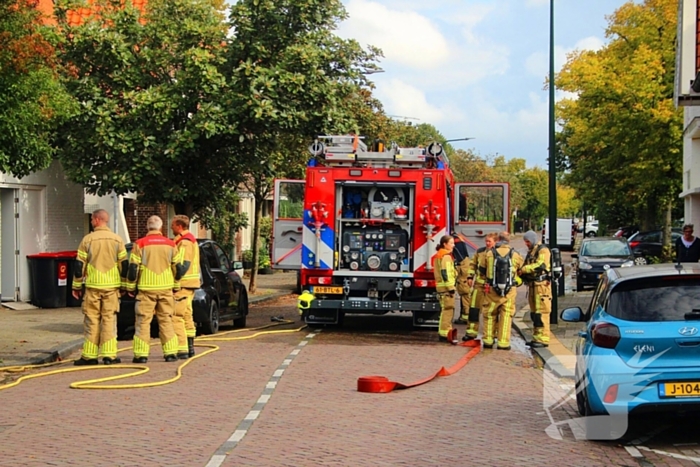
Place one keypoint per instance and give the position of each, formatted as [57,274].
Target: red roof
[76,17]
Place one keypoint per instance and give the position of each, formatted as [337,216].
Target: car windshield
[611,248]
[655,299]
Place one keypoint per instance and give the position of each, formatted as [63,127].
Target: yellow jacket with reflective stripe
[156,258]
[189,249]
[477,268]
[101,253]
[444,262]
[537,262]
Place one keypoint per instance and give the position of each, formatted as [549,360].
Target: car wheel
[212,325]
[640,261]
[590,234]
[242,309]
[579,286]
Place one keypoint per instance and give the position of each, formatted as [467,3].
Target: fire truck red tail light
[315,280]
[424,283]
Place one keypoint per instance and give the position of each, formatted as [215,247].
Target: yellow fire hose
[140,369]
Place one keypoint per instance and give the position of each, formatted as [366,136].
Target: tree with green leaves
[291,79]
[153,117]
[32,99]
[621,135]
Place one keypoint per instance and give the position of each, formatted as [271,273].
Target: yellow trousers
[474,310]
[498,312]
[539,296]
[100,308]
[161,304]
[182,319]
[447,303]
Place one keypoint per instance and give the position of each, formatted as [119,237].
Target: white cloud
[537,64]
[404,100]
[536,3]
[404,36]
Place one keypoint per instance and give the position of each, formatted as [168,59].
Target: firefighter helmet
[304,301]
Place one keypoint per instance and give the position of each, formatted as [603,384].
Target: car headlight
[627,264]
[584,265]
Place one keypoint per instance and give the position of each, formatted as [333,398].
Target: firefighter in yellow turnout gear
[500,292]
[536,273]
[462,263]
[476,279]
[182,321]
[101,267]
[445,277]
[155,266]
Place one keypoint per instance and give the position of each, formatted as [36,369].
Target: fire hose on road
[382,384]
[140,369]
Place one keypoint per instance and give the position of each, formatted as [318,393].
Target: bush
[263,258]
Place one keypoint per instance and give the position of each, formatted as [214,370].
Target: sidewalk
[41,335]
[563,336]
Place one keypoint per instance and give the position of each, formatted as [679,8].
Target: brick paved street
[492,412]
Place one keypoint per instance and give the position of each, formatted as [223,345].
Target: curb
[272,296]
[550,360]
[62,351]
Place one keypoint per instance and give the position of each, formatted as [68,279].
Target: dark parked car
[596,255]
[639,350]
[648,244]
[222,295]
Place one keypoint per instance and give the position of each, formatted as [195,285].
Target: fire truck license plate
[328,290]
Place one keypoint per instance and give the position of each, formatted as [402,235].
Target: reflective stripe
[149,280]
[109,348]
[141,347]
[90,350]
[170,347]
[100,280]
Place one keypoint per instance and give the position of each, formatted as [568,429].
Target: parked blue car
[640,351]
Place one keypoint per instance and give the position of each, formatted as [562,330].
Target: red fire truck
[364,226]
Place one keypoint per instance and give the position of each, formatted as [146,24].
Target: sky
[475,68]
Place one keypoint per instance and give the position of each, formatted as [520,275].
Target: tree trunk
[667,225]
[259,200]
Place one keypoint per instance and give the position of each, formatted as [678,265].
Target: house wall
[687,66]
[50,218]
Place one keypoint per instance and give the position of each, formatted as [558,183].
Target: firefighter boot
[140,360]
[183,356]
[190,346]
[85,361]
[111,361]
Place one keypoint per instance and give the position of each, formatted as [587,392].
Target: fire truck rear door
[481,208]
[287,223]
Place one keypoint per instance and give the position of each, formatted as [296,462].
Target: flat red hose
[382,383]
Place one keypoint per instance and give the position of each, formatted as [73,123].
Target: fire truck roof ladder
[349,150]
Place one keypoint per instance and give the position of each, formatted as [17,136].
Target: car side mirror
[237,265]
[572,315]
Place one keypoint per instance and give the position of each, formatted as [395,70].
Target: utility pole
[553,318]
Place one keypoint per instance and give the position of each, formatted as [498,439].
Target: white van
[565,233]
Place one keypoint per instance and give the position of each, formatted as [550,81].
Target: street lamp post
[553,319]
[458,139]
